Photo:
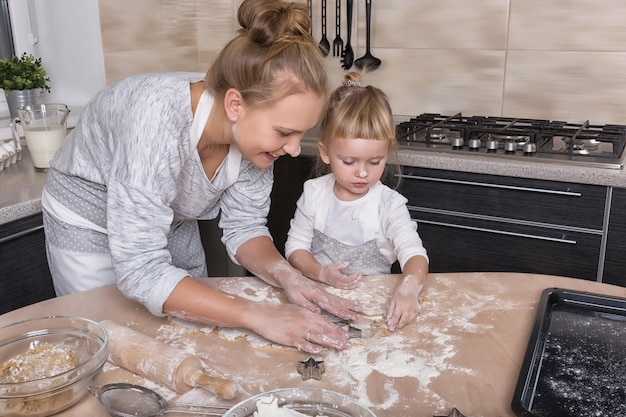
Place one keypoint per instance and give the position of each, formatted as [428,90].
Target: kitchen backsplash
[562,60]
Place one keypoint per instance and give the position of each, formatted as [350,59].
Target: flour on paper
[396,356]
[445,314]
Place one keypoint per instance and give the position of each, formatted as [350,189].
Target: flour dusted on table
[378,367]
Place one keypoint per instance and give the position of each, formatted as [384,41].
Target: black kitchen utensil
[338,42]
[367,61]
[348,54]
[324,44]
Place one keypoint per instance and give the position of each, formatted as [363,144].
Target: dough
[39,362]
[42,361]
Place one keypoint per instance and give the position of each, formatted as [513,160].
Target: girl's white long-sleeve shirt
[382,213]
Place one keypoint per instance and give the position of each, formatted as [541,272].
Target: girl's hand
[333,276]
[291,325]
[404,305]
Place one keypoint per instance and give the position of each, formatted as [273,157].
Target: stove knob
[457,143]
[530,148]
[474,144]
[492,145]
[510,146]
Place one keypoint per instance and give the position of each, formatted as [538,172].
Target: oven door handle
[483,184]
[499,232]
[17,235]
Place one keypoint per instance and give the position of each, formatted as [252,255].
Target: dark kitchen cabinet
[477,222]
[24,275]
[289,176]
[615,260]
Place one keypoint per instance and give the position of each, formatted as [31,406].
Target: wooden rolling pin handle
[161,362]
[222,387]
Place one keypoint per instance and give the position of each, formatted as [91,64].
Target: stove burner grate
[543,140]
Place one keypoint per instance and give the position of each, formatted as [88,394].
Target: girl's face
[264,133]
[356,163]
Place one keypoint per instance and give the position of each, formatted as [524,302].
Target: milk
[43,142]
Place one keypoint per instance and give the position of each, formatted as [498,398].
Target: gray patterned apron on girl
[364,259]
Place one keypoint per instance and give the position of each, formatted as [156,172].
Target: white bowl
[306,401]
[85,339]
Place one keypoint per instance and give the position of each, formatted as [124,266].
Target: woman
[153,153]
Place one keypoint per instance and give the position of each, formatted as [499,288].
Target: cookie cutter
[453,413]
[311,368]
[353,332]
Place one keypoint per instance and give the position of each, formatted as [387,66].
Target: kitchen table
[464,350]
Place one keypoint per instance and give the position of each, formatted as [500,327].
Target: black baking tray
[575,362]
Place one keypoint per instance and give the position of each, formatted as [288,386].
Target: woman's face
[357,164]
[263,134]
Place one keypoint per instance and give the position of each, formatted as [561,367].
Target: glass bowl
[47,363]
[306,401]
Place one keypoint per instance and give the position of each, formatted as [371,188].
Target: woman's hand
[287,324]
[404,305]
[332,275]
[291,325]
[306,293]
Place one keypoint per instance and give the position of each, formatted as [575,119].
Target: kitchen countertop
[20,189]
[21,186]
[550,171]
[464,350]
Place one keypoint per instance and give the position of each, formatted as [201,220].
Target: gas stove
[538,140]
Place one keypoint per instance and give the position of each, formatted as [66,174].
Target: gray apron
[364,259]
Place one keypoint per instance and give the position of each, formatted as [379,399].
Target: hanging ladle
[367,61]
[129,400]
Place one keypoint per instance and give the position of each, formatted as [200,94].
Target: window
[6,36]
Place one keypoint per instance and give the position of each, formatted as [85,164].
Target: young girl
[348,223]
[155,152]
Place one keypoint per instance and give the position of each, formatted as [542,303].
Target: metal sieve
[129,400]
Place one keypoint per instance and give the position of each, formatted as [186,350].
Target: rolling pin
[161,363]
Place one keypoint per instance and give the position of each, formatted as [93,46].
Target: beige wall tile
[558,59]
[125,63]
[215,24]
[570,86]
[568,25]
[141,24]
[439,24]
[440,80]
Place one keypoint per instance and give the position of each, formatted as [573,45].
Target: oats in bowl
[47,363]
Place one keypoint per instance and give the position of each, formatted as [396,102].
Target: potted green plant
[23,79]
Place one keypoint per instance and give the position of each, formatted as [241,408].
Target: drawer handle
[482,184]
[20,234]
[498,232]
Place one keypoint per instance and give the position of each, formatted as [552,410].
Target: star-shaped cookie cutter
[353,332]
[311,368]
[453,413]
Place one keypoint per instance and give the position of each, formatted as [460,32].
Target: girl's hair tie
[353,83]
